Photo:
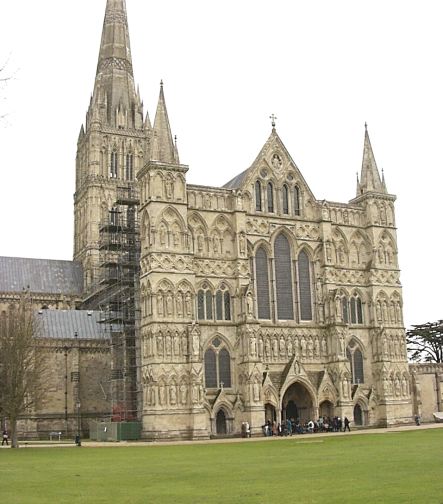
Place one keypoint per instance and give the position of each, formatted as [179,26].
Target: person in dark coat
[347,425]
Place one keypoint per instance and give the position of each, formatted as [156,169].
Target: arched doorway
[220,422]
[270,413]
[298,404]
[326,409]
[358,415]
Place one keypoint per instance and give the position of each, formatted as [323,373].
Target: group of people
[295,426]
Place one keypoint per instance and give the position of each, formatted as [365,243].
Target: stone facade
[257,301]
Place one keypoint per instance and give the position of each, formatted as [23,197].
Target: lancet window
[223,304]
[285,199]
[217,362]
[270,197]
[129,167]
[296,200]
[304,286]
[258,206]
[283,278]
[355,358]
[262,279]
[204,304]
[114,165]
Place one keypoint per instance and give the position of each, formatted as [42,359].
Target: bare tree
[22,364]
[425,342]
[5,77]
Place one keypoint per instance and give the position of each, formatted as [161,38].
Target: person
[347,422]
[417,420]
[5,438]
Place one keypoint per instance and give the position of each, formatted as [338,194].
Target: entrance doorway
[326,409]
[270,413]
[220,422]
[358,415]
[297,404]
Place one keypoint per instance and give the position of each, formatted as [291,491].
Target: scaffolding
[116,295]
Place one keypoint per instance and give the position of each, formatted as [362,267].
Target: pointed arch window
[270,197]
[223,304]
[283,278]
[258,206]
[217,365]
[345,309]
[129,167]
[355,358]
[296,200]
[356,310]
[304,286]
[262,279]
[285,199]
[114,164]
[204,304]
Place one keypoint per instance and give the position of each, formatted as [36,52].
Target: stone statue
[260,347]
[184,345]
[303,346]
[316,348]
[169,304]
[183,394]
[249,305]
[242,243]
[267,348]
[282,347]
[195,338]
[172,394]
[324,347]
[275,348]
[179,302]
[188,303]
[253,345]
[160,304]
[290,347]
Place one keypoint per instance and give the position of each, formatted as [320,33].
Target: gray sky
[323,67]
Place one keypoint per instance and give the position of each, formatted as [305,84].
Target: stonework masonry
[254,301]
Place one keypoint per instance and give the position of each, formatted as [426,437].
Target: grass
[398,467]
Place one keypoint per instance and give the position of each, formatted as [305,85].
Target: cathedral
[215,306]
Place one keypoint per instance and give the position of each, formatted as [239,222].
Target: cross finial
[273,119]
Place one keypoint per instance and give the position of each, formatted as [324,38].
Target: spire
[163,148]
[114,81]
[370,177]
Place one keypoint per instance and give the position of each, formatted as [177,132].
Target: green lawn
[399,467]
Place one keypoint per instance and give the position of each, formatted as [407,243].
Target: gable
[273,164]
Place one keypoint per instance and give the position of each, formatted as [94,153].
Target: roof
[236,182]
[65,324]
[40,275]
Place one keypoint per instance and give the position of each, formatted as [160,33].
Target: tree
[22,364]
[425,342]
[4,79]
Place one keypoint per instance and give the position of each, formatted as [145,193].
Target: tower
[112,144]
[389,357]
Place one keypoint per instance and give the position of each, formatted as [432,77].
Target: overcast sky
[323,67]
